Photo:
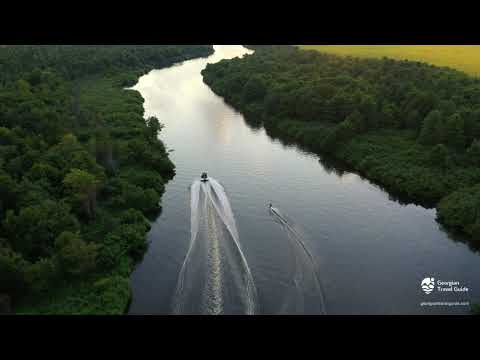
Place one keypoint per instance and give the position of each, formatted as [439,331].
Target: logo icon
[428,284]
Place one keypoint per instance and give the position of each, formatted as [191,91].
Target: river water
[341,246]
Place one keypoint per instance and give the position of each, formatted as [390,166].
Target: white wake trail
[215,277]
[306,283]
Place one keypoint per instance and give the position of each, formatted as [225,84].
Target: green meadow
[462,57]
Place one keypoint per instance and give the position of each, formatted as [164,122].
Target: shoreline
[107,290]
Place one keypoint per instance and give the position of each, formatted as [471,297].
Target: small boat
[272,209]
[204,177]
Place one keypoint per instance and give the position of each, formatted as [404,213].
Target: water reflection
[373,250]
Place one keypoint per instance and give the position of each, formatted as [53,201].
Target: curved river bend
[370,252]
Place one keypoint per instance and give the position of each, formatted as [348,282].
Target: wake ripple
[305,294]
[215,277]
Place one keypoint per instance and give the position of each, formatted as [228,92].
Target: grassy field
[462,57]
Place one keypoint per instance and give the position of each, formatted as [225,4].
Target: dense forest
[409,126]
[81,170]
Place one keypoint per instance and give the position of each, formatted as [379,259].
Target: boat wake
[215,277]
[305,294]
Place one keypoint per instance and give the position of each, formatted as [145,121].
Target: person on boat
[204,176]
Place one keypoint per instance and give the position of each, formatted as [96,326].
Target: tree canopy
[80,168]
[410,126]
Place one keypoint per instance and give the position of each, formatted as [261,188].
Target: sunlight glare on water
[371,251]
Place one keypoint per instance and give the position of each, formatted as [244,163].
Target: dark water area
[345,242]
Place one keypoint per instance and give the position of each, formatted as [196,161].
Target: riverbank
[352,227]
[108,291]
[105,175]
[380,142]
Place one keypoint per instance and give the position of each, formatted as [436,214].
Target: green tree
[35,77]
[8,193]
[134,217]
[439,156]
[153,127]
[356,121]
[102,146]
[46,175]
[24,88]
[136,151]
[461,209]
[454,132]
[419,101]
[340,134]
[41,275]
[389,116]
[412,119]
[32,232]
[368,108]
[447,107]
[83,187]
[474,153]
[133,237]
[429,132]
[64,120]
[472,124]
[75,256]
[6,137]
[114,291]
[146,200]
[254,90]
[12,272]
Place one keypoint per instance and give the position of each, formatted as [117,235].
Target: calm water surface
[370,252]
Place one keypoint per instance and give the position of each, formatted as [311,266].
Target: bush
[113,295]
[64,133]
[439,156]
[42,275]
[128,240]
[12,273]
[134,217]
[474,153]
[461,209]
[75,257]
[33,231]
[144,200]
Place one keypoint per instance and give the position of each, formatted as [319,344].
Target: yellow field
[461,57]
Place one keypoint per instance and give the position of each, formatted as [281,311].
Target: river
[368,251]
